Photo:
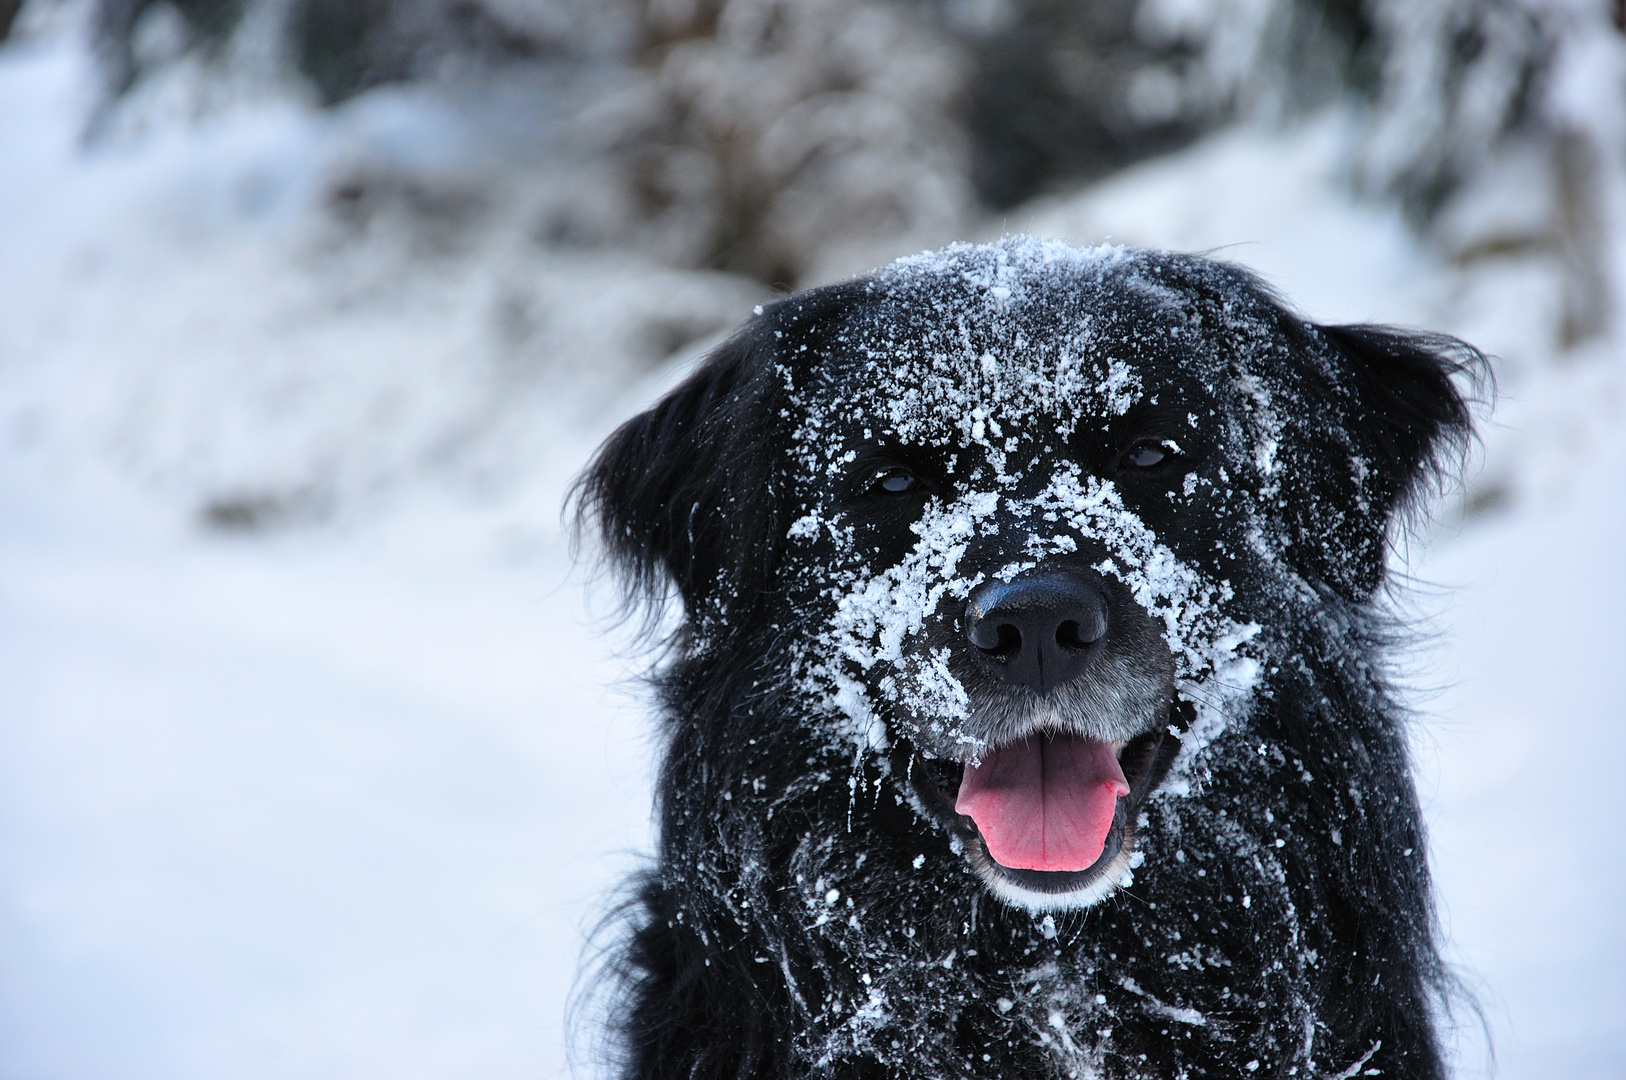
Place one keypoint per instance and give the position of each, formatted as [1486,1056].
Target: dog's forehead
[1030,336]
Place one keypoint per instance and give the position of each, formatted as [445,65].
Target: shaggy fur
[832,493]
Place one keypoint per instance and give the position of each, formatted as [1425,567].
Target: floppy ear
[1379,420]
[1368,415]
[681,494]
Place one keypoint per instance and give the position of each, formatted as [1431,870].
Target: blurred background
[317,754]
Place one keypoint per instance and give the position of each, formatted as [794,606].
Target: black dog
[1026,716]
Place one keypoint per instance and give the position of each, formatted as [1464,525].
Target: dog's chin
[1145,761]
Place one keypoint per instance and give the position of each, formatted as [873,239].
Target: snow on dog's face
[1028,479]
[1024,524]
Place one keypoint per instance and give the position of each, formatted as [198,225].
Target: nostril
[1081,634]
[1010,641]
[995,638]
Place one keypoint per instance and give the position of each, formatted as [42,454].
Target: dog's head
[1013,517]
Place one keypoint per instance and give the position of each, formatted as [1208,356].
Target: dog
[1025,713]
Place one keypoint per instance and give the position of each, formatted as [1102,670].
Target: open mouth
[1052,813]
[1045,802]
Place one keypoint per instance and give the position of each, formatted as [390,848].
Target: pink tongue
[1045,803]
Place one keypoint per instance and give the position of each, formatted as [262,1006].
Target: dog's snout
[1038,631]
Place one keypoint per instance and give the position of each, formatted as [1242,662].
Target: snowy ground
[341,794]
[1523,747]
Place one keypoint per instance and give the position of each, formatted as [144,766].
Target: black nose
[1038,631]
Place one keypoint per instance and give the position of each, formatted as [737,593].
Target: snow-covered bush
[541,200]
[794,140]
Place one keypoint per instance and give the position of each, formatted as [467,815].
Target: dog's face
[1026,486]
[1012,518]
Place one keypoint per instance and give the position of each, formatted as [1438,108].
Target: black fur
[817,908]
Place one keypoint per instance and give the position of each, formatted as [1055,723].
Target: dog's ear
[1361,418]
[678,493]
[1381,419]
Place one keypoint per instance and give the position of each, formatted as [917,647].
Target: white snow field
[337,785]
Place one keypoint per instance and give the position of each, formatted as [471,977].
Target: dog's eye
[895,482]
[1146,455]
